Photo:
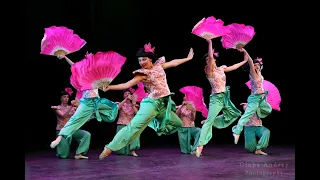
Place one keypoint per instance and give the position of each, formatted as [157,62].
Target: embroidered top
[254,121]
[187,116]
[126,113]
[256,85]
[156,83]
[92,93]
[61,121]
[218,80]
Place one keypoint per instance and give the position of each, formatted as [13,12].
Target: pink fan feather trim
[273,98]
[97,70]
[195,95]
[140,92]
[209,28]
[239,35]
[60,39]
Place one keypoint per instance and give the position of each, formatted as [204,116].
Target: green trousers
[250,141]
[218,102]
[256,104]
[135,145]
[101,108]
[185,135]
[81,136]
[157,113]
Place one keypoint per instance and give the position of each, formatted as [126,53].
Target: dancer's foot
[80,156]
[236,138]
[55,142]
[199,151]
[195,152]
[133,153]
[106,152]
[259,152]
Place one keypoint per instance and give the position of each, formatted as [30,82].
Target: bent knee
[87,134]
[267,131]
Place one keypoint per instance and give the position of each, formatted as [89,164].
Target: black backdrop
[125,26]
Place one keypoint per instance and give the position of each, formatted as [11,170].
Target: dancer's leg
[250,141]
[264,134]
[63,148]
[83,138]
[195,134]
[184,139]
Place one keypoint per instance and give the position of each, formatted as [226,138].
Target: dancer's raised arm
[66,58]
[236,66]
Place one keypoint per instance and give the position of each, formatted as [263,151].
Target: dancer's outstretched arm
[177,62]
[126,85]
[236,66]
[250,61]
[211,64]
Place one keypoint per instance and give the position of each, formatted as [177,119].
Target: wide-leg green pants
[218,102]
[250,141]
[81,136]
[102,108]
[256,104]
[185,135]
[135,145]
[157,113]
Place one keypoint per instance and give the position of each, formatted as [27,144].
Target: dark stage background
[125,26]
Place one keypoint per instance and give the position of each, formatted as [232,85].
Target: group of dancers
[158,111]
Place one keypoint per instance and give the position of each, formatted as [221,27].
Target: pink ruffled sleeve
[141,71]
[223,67]
[161,60]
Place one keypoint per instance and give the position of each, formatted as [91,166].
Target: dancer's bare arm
[126,85]
[177,62]
[211,64]
[236,66]
[250,61]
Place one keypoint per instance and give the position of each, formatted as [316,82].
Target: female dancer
[127,109]
[252,129]
[219,98]
[257,100]
[157,109]
[63,114]
[90,104]
[187,113]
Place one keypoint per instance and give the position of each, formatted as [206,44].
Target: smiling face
[145,62]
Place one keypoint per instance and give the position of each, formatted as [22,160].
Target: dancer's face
[126,94]
[207,59]
[145,62]
[257,66]
[64,99]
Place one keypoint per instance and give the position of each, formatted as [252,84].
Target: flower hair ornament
[215,53]
[68,90]
[131,90]
[148,48]
[259,60]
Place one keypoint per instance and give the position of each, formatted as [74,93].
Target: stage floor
[166,163]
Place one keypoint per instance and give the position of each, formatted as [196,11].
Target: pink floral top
[256,85]
[92,93]
[61,121]
[156,83]
[218,80]
[187,116]
[126,113]
[254,121]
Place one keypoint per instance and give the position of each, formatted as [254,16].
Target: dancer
[63,113]
[90,104]
[257,100]
[127,109]
[157,109]
[252,129]
[187,113]
[219,98]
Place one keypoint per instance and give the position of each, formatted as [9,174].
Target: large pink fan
[75,84]
[239,36]
[273,98]
[60,41]
[98,70]
[139,92]
[209,28]
[195,95]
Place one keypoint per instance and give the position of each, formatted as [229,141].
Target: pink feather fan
[239,36]
[139,92]
[75,84]
[209,28]
[273,98]
[195,95]
[98,70]
[60,41]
